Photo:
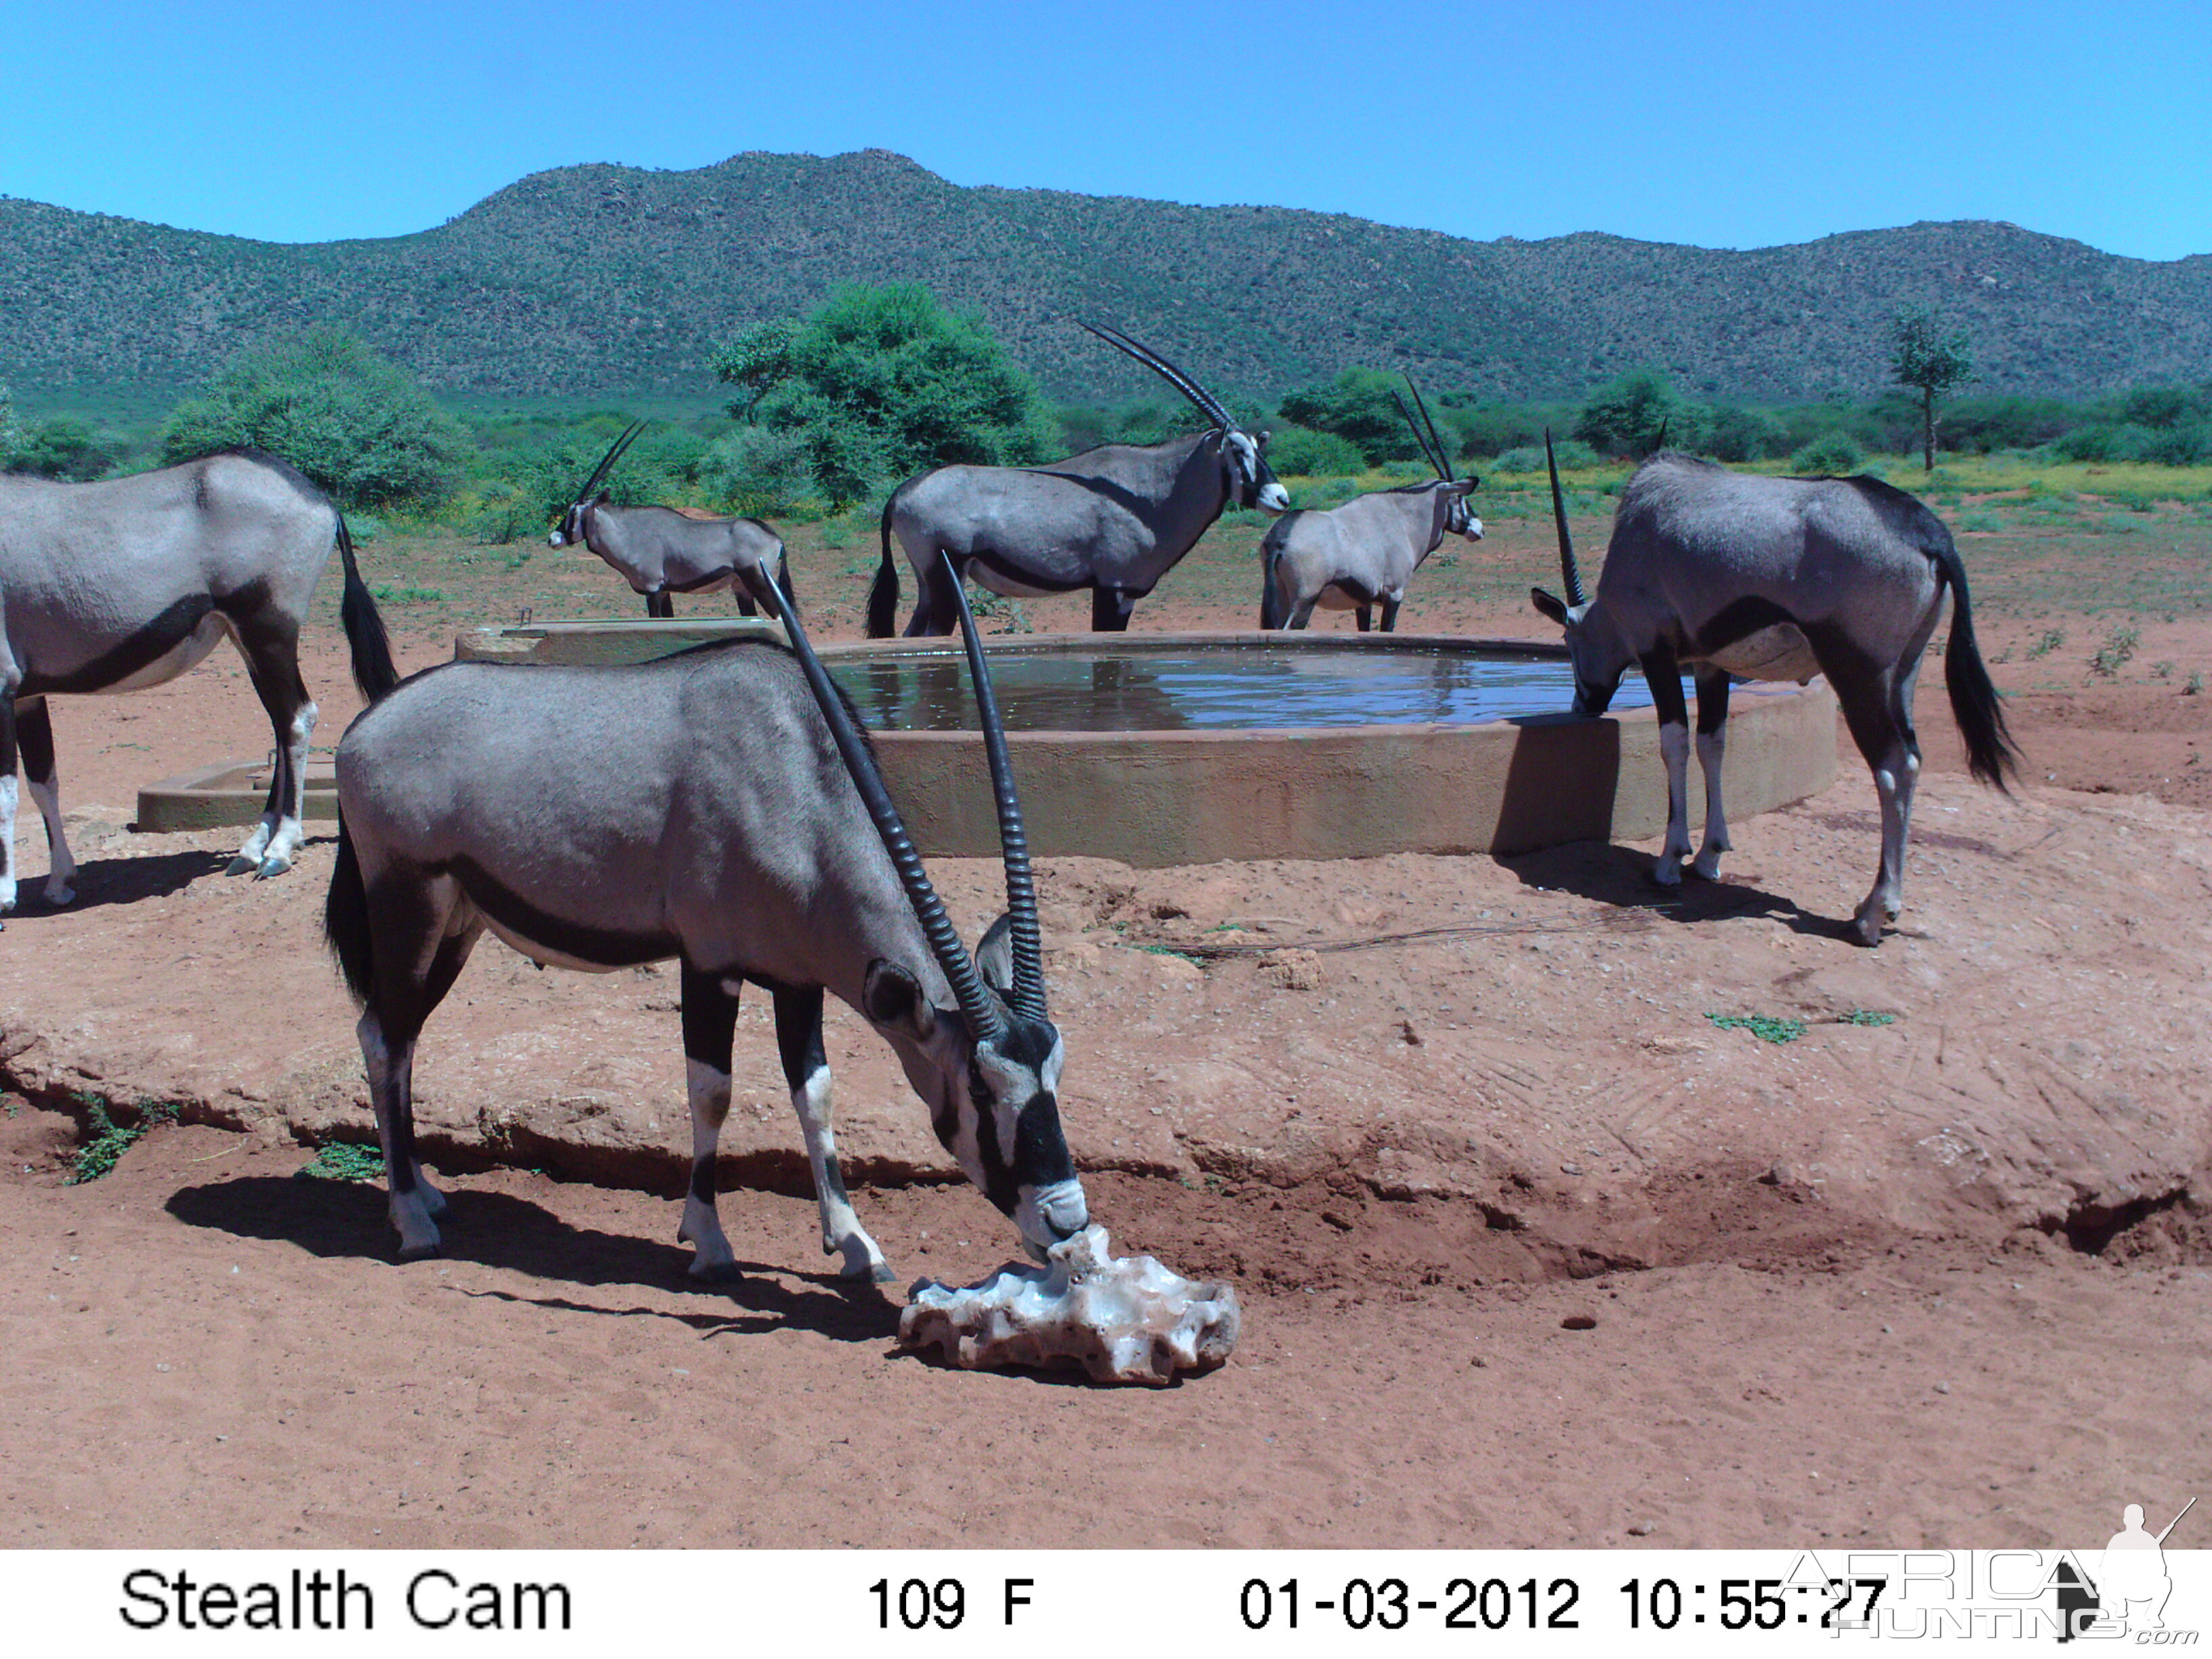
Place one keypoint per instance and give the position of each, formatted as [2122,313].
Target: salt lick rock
[1123,1320]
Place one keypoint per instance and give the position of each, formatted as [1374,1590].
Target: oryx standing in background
[660,550]
[1777,579]
[1349,557]
[1114,520]
[720,807]
[126,583]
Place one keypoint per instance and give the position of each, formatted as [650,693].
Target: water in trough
[1109,688]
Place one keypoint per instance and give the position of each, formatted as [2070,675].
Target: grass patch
[342,1160]
[1866,1017]
[2048,641]
[2114,654]
[97,1157]
[1767,1028]
[390,593]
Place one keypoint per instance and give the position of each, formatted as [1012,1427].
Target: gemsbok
[664,550]
[128,582]
[721,807]
[1114,520]
[1352,557]
[1737,574]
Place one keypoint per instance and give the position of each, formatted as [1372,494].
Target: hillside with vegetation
[613,281]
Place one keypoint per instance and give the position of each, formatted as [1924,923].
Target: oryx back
[125,583]
[1736,568]
[599,818]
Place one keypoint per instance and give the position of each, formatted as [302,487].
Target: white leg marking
[1675,750]
[709,1092]
[280,833]
[390,1077]
[841,1232]
[62,868]
[1711,747]
[7,843]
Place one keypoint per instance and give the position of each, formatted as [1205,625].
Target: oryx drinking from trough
[721,807]
[1350,557]
[1735,573]
[128,582]
[660,550]
[1114,520]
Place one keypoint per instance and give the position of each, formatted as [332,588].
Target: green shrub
[884,382]
[1359,405]
[1838,455]
[1571,453]
[354,422]
[63,447]
[1295,451]
[758,471]
[1744,434]
[1624,416]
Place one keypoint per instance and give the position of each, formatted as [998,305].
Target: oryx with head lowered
[720,807]
[1364,552]
[1114,520]
[1738,574]
[128,582]
[662,550]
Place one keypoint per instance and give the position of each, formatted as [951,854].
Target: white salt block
[1123,1320]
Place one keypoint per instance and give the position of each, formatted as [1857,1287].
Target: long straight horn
[984,1020]
[1568,574]
[1442,456]
[607,461]
[1013,841]
[1181,380]
[1420,441]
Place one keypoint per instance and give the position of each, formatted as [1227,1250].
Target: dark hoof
[420,1252]
[268,868]
[242,865]
[719,1273]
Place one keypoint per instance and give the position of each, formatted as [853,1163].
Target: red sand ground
[1842,1342]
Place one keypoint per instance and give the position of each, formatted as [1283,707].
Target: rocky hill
[607,280]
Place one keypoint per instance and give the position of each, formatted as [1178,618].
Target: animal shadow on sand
[333,1219]
[1615,876]
[122,881]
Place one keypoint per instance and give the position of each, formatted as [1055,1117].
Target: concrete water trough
[1165,749]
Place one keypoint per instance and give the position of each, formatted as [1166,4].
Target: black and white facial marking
[1252,482]
[573,530]
[1459,510]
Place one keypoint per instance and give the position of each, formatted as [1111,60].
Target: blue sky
[1729,126]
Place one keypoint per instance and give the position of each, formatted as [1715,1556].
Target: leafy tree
[62,447]
[1357,405]
[10,432]
[1296,451]
[884,382]
[1624,416]
[1922,356]
[350,419]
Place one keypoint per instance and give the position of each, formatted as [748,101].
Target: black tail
[1273,613]
[345,918]
[1975,704]
[883,593]
[783,581]
[372,670]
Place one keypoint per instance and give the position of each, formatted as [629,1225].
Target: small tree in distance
[1930,361]
[353,420]
[884,382]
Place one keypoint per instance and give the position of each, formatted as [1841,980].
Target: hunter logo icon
[2130,1584]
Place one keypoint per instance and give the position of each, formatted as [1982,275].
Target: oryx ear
[1550,607]
[994,955]
[892,999]
[1260,438]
